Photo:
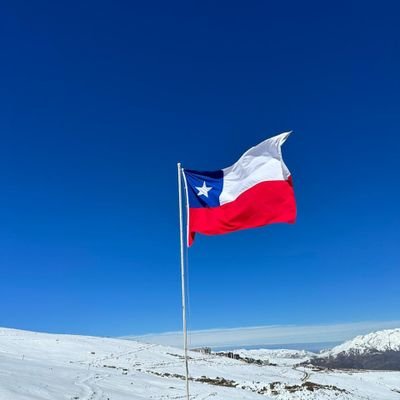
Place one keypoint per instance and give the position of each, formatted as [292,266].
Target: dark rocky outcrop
[372,359]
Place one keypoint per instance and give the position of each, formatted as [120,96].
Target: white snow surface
[388,339]
[39,366]
[284,357]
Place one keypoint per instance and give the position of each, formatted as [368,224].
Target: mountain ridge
[378,350]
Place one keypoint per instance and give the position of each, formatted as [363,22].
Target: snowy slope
[385,340]
[38,366]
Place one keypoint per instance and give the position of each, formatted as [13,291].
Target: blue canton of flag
[204,188]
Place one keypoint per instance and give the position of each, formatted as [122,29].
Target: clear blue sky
[99,100]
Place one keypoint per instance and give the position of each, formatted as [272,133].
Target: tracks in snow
[306,374]
[88,384]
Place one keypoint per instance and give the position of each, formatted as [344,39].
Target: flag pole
[182,245]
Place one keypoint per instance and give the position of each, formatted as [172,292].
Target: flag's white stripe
[259,164]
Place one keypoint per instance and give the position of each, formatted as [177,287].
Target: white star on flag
[203,190]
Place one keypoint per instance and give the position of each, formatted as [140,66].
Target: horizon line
[279,334]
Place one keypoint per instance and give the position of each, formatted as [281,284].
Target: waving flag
[257,190]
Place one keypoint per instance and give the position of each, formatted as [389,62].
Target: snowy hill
[377,350]
[283,357]
[39,366]
[385,340]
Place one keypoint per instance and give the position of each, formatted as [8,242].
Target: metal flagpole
[182,244]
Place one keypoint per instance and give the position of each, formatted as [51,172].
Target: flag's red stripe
[265,203]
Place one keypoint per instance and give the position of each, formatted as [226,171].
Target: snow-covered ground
[282,357]
[38,366]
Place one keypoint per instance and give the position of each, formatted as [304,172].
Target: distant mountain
[378,350]
[312,347]
[286,357]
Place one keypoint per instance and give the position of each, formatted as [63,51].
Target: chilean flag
[257,190]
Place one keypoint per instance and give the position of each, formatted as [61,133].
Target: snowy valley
[39,366]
